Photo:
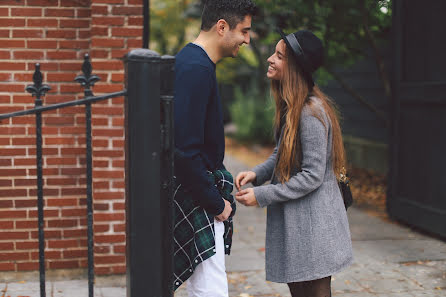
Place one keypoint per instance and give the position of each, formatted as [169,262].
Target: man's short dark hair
[232,11]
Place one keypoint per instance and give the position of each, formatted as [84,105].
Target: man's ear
[222,26]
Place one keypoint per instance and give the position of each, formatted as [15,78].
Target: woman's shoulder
[313,107]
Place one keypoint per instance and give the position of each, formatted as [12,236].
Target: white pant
[209,278]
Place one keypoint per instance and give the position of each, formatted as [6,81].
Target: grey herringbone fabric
[307,234]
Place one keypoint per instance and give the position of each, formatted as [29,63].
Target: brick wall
[57,33]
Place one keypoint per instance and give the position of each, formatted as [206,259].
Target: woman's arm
[314,138]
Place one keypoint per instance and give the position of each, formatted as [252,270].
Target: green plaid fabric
[194,228]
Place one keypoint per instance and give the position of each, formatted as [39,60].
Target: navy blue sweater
[199,134]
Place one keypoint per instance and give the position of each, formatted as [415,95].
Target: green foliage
[253,116]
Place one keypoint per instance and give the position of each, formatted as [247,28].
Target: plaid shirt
[194,230]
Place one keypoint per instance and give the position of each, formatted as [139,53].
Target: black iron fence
[149,168]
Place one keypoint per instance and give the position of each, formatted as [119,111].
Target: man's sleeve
[193,89]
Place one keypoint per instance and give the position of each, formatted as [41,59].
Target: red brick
[24,11]
[48,255]
[127,10]
[43,3]
[6,225]
[102,270]
[63,243]
[73,191]
[61,55]
[135,21]
[108,132]
[73,151]
[24,141]
[101,184]
[134,43]
[12,43]
[13,193]
[63,202]
[41,44]
[98,217]
[108,195]
[83,12]
[26,203]
[27,77]
[24,161]
[100,163]
[4,11]
[108,21]
[63,264]
[77,212]
[71,44]
[42,23]
[27,266]
[28,55]
[58,77]
[12,213]
[76,3]
[4,246]
[59,140]
[99,259]
[62,223]
[67,254]
[119,269]
[74,23]
[27,224]
[118,143]
[61,161]
[8,266]
[58,12]
[119,228]
[102,249]
[27,245]
[12,22]
[12,66]
[100,206]
[12,152]
[107,42]
[65,34]
[99,122]
[109,1]
[126,32]
[99,9]
[5,204]
[28,33]
[12,172]
[75,233]
[98,31]
[109,238]
[14,235]
[15,256]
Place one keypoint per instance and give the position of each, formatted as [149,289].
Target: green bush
[252,114]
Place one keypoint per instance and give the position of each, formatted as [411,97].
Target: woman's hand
[243,178]
[246,197]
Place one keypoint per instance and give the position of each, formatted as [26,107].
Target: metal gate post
[146,269]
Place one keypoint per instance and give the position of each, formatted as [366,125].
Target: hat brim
[299,57]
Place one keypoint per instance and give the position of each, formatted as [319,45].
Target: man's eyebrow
[247,28]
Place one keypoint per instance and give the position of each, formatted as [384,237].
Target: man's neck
[209,45]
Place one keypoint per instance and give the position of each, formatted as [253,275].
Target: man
[203,202]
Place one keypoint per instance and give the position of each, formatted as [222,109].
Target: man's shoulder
[191,58]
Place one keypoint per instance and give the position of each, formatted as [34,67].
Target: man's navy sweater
[199,134]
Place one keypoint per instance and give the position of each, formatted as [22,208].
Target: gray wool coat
[307,232]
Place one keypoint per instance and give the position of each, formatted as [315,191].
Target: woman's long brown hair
[290,95]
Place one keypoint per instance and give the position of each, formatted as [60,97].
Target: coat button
[227,246]
[196,261]
[214,250]
[177,283]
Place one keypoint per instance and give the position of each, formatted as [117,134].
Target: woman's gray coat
[307,232]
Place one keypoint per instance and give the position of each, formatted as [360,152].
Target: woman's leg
[314,288]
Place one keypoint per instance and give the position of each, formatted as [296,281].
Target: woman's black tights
[314,288]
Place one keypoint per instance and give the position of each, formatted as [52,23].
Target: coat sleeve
[265,170]
[314,138]
[193,89]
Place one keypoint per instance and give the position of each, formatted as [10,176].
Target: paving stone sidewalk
[390,261]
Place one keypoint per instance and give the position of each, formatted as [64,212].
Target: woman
[307,234]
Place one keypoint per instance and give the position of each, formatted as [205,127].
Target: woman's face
[277,62]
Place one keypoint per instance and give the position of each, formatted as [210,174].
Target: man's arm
[193,89]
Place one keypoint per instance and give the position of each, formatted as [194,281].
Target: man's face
[233,39]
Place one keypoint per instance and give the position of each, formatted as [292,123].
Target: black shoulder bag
[345,189]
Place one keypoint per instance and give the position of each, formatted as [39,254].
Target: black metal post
[87,80]
[146,28]
[143,149]
[167,170]
[38,90]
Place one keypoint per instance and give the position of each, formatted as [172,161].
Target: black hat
[307,49]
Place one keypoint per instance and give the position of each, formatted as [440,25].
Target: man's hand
[247,197]
[243,178]
[226,212]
